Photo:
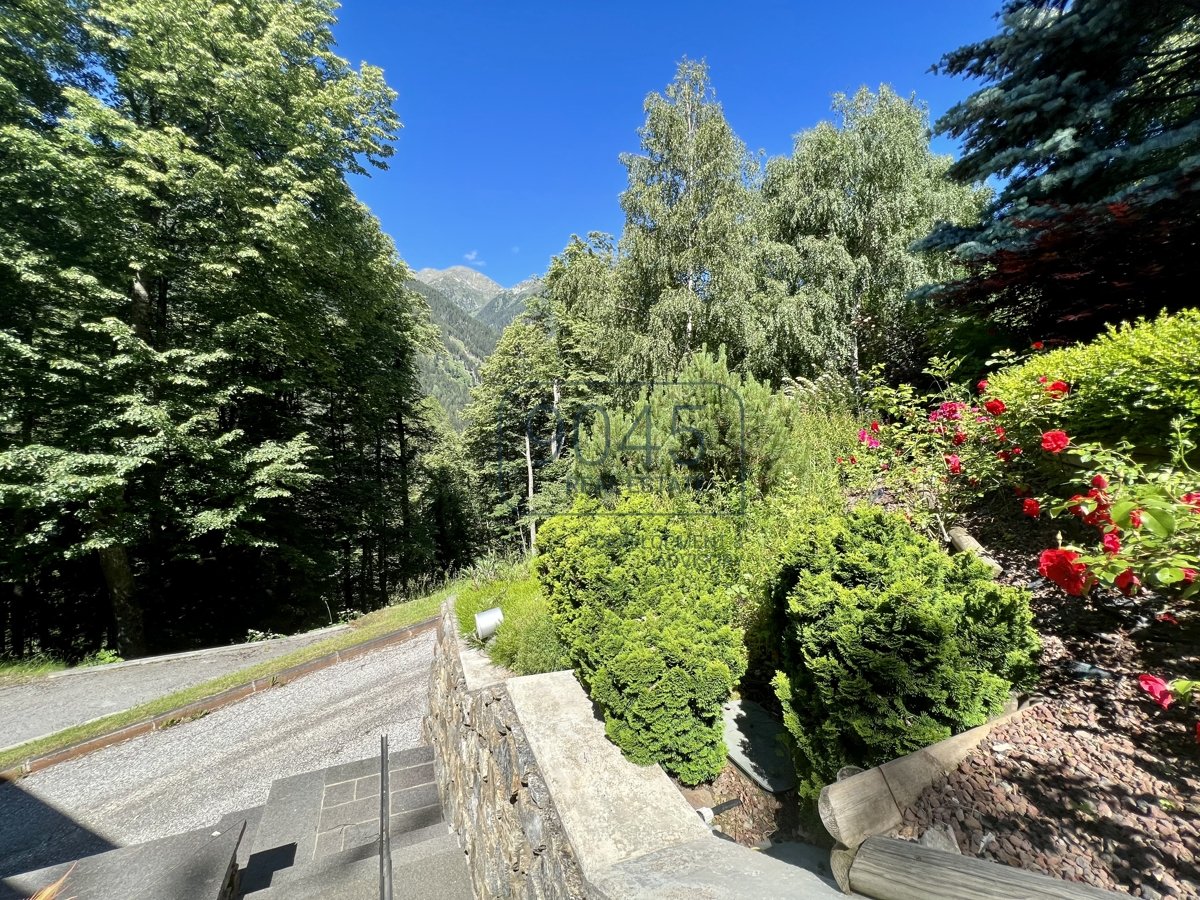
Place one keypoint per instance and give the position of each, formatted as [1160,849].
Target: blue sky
[515,113]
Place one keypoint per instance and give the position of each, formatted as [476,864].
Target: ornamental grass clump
[890,645]
[640,598]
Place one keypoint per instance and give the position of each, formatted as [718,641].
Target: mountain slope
[507,304]
[468,289]
[449,374]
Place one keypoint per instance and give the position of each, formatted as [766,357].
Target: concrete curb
[217,701]
[184,654]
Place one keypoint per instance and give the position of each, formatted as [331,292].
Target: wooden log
[961,541]
[840,861]
[858,807]
[890,869]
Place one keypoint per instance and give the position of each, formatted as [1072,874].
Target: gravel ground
[42,706]
[1095,783]
[189,776]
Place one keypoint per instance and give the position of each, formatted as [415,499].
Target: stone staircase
[317,836]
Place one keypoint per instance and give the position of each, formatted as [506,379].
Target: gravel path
[189,776]
[42,706]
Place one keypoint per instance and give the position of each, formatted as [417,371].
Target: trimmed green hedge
[526,641]
[639,598]
[889,644]
[1127,384]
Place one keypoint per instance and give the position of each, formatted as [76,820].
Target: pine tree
[1088,116]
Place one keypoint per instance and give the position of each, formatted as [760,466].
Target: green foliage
[889,644]
[838,218]
[1129,384]
[210,417]
[526,641]
[1086,113]
[639,595]
[684,282]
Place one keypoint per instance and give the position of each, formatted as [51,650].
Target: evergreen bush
[640,597]
[889,644]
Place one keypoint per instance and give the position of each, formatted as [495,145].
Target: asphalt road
[44,705]
[190,775]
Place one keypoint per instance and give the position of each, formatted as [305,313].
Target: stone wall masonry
[493,792]
[547,807]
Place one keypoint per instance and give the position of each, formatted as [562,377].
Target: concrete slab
[757,745]
[197,865]
[610,809]
[711,869]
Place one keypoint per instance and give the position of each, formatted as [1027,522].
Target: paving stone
[335,794]
[415,798]
[399,779]
[757,745]
[348,813]
[328,842]
[362,833]
[417,819]
[366,787]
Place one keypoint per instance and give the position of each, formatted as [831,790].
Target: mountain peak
[467,288]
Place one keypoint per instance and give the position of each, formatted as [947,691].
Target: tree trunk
[529,486]
[131,640]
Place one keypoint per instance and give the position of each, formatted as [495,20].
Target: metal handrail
[385,830]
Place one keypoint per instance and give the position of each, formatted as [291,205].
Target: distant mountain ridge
[469,289]
[470,310]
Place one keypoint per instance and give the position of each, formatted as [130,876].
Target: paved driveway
[51,703]
[190,775]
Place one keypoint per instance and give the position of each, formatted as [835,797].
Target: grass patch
[526,641]
[363,629]
[21,669]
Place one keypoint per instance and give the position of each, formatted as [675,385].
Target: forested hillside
[449,373]
[210,416]
[509,303]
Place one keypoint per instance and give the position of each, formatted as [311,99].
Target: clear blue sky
[515,113]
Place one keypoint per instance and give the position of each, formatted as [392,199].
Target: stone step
[333,811]
[436,864]
[195,865]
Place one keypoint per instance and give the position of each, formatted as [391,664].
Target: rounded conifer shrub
[889,644]
[639,596]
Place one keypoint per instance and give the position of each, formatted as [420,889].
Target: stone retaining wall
[492,790]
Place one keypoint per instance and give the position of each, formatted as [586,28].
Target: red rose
[982,386]
[1055,441]
[1128,583]
[1031,508]
[1111,542]
[960,437]
[1192,498]
[1003,455]
[1189,575]
[1042,379]
[1167,617]
[953,463]
[1058,389]
[1060,566]
[1135,518]
[875,427]
[853,460]
[1158,689]
[1000,432]
[995,406]
[1038,345]
[1099,481]
[1017,451]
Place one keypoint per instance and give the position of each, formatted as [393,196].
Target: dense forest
[214,365]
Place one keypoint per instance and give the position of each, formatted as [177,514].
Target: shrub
[889,644]
[526,642]
[640,596]
[1127,385]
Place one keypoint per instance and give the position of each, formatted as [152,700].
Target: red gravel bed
[1094,783]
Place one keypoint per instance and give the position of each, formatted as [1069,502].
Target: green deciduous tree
[684,280]
[839,217]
